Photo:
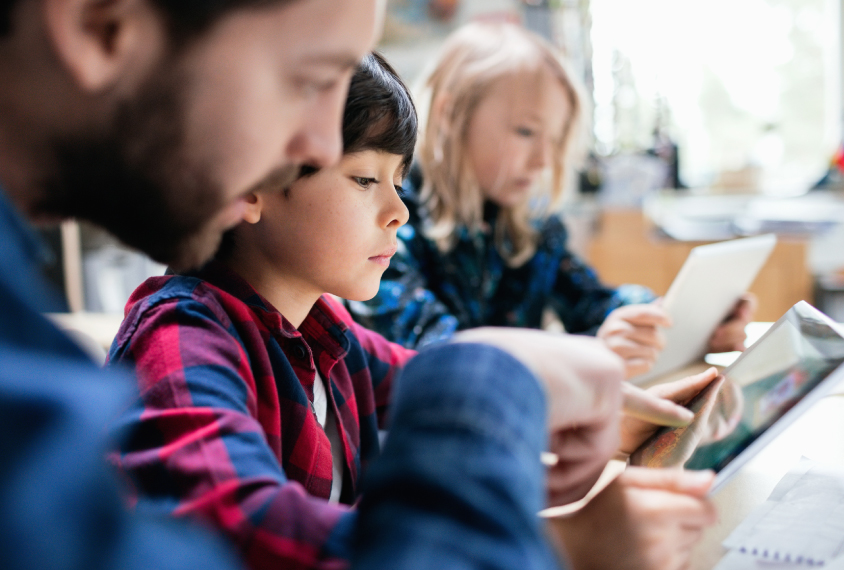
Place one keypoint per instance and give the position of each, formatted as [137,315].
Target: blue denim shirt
[60,506]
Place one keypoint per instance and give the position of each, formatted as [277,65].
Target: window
[748,89]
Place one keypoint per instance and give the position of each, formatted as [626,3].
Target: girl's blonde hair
[473,59]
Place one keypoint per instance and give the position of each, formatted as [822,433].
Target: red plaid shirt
[223,428]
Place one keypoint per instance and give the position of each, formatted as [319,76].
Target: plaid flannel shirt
[224,428]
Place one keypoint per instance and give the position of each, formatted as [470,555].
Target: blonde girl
[503,132]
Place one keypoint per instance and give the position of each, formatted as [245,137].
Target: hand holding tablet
[635,333]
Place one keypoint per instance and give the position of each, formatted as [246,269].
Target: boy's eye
[364,182]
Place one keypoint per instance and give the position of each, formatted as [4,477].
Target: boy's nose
[396,213]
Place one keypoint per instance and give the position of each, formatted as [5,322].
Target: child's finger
[647,407]
[645,315]
[681,391]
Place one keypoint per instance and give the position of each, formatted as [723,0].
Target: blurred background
[711,119]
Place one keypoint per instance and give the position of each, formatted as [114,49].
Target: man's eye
[324,86]
[318,85]
[364,182]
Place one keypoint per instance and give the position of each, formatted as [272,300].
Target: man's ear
[254,205]
[105,42]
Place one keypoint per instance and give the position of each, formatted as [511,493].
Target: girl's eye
[364,182]
[524,131]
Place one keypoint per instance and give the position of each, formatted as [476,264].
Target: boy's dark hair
[186,18]
[379,115]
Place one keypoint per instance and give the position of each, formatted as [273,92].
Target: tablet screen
[769,379]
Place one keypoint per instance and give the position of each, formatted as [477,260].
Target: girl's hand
[633,332]
[730,334]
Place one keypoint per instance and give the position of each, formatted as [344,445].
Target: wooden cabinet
[627,249]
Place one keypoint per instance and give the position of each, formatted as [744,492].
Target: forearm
[580,375]
[459,483]
[583,302]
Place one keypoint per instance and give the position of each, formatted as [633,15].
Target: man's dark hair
[185,17]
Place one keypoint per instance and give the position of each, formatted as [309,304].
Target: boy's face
[335,231]
[513,133]
[258,94]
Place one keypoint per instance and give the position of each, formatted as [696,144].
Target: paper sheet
[801,522]
[735,560]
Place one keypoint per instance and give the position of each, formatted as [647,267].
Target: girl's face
[335,231]
[513,133]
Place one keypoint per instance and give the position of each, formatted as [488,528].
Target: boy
[260,398]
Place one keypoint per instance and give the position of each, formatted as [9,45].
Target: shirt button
[299,352]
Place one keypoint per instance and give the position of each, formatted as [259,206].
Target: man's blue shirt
[60,507]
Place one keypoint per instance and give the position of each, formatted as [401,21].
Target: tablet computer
[794,364]
[704,292]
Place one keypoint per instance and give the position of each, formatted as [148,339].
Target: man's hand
[730,334]
[582,380]
[647,519]
[633,332]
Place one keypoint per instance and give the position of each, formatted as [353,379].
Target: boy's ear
[103,43]
[254,204]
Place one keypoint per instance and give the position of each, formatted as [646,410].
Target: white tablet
[704,292]
[793,365]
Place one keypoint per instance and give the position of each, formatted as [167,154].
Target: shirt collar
[322,324]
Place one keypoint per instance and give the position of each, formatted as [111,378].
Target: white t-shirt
[328,421]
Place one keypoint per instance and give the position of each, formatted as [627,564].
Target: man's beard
[134,180]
